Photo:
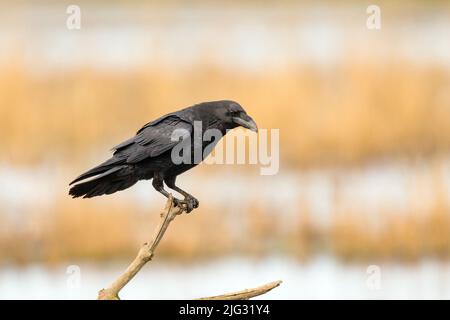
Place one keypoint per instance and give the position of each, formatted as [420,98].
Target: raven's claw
[194,202]
[188,204]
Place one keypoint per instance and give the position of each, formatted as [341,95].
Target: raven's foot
[193,201]
[188,204]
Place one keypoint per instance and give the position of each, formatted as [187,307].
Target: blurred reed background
[364,119]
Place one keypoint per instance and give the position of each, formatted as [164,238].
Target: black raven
[148,155]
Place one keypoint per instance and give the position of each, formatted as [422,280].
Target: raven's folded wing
[153,139]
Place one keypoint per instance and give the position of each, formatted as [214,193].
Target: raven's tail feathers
[101,168]
[115,179]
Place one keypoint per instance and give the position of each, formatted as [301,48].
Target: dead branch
[146,253]
[246,293]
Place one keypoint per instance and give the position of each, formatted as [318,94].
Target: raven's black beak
[245,121]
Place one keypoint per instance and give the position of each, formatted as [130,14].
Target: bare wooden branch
[247,293]
[146,253]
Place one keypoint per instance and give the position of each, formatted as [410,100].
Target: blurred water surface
[397,186]
[249,37]
[322,278]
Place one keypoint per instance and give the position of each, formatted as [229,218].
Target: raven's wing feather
[168,119]
[152,140]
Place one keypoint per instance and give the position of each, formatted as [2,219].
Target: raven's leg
[158,184]
[190,200]
[188,204]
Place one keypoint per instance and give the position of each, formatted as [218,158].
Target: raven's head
[234,115]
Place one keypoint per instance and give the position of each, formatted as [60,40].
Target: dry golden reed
[343,115]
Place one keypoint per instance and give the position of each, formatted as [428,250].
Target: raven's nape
[114,180]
